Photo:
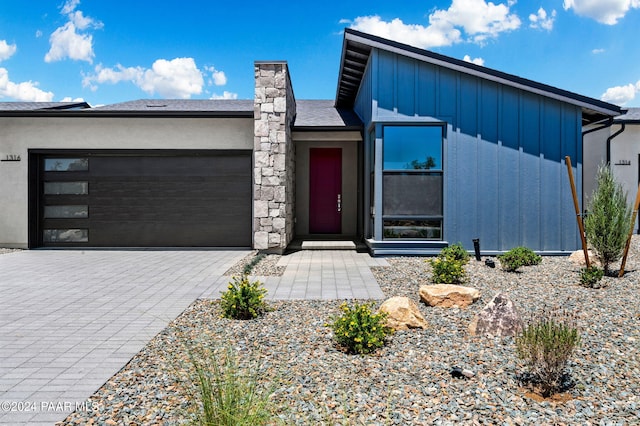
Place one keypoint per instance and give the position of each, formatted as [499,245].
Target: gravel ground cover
[266,267]
[8,250]
[408,381]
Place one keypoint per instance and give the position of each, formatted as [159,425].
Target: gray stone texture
[274,157]
[497,319]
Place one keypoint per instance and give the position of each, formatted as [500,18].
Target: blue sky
[112,51]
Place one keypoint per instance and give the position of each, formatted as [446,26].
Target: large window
[412,182]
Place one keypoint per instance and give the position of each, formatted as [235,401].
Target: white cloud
[620,95]
[6,50]
[597,51]
[225,95]
[604,11]
[70,99]
[27,91]
[542,20]
[69,6]
[478,19]
[477,61]
[415,35]
[177,78]
[219,77]
[70,40]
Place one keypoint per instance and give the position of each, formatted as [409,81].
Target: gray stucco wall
[19,134]
[625,161]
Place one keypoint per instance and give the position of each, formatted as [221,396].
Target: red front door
[325,190]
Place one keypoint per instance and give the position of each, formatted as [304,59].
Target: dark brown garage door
[142,199]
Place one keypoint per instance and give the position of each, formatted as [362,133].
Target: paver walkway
[326,274]
[71,319]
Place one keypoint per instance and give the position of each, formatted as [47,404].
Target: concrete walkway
[69,320]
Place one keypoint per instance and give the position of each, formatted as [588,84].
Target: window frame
[386,218]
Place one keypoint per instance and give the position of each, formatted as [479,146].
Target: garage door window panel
[66,211]
[66,164]
[66,235]
[66,188]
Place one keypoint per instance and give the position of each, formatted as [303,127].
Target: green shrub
[545,344]
[243,299]
[447,270]
[226,394]
[457,252]
[249,266]
[358,329]
[591,276]
[609,219]
[517,257]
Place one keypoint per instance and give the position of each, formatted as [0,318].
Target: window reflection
[413,229]
[66,235]
[74,212]
[412,148]
[66,164]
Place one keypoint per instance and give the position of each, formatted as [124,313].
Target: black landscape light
[476,248]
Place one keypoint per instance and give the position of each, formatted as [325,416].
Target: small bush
[517,257]
[591,276]
[358,329]
[457,252]
[545,344]
[227,394]
[243,299]
[447,270]
[252,264]
[608,220]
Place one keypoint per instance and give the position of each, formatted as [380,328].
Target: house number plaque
[10,157]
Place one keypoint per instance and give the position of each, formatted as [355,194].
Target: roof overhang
[357,47]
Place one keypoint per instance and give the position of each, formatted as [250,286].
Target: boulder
[498,318]
[577,258]
[403,314]
[448,295]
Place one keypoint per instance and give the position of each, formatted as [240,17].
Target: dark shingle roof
[180,105]
[42,106]
[357,48]
[632,115]
[322,114]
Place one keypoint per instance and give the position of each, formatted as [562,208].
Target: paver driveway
[69,320]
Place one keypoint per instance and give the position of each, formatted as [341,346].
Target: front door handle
[339,202]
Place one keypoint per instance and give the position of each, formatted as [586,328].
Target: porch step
[328,245]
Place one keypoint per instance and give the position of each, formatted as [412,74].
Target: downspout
[602,126]
[608,123]
[610,138]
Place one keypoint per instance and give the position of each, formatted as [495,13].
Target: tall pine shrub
[608,219]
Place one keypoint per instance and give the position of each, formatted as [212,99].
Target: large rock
[577,258]
[448,295]
[403,314]
[498,318]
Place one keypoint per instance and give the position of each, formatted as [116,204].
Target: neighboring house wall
[19,134]
[625,160]
[595,154]
[505,180]
[274,157]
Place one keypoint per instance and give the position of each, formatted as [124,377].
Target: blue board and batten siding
[505,177]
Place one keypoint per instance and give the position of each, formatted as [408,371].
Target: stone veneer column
[274,157]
